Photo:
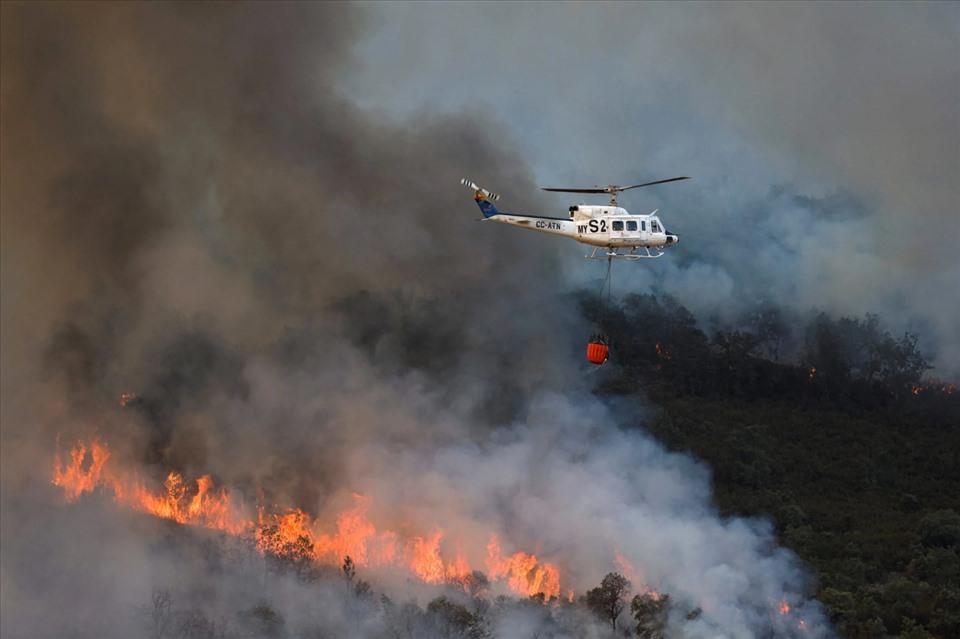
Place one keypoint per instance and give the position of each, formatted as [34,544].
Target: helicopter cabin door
[618,233]
[644,233]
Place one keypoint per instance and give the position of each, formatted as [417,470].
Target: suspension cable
[607,286]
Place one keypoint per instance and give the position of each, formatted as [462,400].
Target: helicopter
[611,230]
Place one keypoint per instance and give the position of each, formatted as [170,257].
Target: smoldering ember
[265,375]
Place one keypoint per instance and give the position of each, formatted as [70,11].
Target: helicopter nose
[672,239]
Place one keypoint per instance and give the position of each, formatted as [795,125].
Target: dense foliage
[853,455]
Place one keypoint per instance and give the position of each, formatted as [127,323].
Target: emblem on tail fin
[483,197]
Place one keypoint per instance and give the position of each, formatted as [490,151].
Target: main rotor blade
[636,186]
[576,190]
[612,188]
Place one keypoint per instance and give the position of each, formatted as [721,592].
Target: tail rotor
[479,190]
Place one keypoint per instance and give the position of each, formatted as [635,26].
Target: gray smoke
[823,140]
[193,211]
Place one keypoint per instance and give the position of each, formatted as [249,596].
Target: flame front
[294,534]
[426,562]
[525,574]
[200,505]
[79,476]
[207,507]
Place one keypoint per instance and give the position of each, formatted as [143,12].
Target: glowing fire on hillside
[933,387]
[294,534]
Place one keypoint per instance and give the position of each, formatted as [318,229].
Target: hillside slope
[858,465]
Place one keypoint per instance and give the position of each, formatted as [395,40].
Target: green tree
[940,529]
[824,351]
[912,630]
[609,599]
[650,612]
[771,330]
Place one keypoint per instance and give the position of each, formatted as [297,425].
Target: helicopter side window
[654,226]
[617,225]
[632,225]
[643,226]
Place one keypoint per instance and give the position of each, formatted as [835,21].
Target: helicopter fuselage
[607,227]
[603,226]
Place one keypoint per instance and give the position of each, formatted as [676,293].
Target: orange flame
[286,535]
[201,505]
[783,608]
[207,507]
[426,562]
[293,534]
[354,532]
[78,476]
[525,574]
[934,387]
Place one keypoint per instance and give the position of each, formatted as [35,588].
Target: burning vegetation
[201,504]
[308,548]
[934,387]
[293,534]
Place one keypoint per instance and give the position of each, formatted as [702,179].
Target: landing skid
[612,253]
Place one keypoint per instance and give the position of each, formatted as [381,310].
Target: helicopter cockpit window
[654,226]
[632,225]
[617,225]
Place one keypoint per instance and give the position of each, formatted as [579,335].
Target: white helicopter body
[609,227]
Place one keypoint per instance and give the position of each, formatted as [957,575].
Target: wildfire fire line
[294,534]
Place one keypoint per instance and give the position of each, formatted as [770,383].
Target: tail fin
[483,197]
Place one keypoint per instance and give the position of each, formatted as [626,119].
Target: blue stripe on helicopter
[488,209]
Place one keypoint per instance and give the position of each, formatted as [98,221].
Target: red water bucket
[597,352]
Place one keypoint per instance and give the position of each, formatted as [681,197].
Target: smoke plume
[298,305]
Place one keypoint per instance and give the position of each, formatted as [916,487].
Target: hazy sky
[824,139]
